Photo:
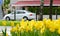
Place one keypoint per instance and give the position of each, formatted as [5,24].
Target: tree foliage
[6,3]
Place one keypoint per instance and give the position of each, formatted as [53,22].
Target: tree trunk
[50,13]
[3,12]
[41,9]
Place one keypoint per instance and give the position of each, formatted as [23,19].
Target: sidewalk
[53,16]
[3,28]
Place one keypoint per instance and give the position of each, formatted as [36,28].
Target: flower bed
[46,27]
[8,23]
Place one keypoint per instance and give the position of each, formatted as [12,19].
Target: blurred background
[30,5]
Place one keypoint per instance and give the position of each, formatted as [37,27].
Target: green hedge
[45,10]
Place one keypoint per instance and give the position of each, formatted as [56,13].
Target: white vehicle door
[12,15]
[20,15]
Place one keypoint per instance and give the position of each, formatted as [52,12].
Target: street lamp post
[41,9]
[50,13]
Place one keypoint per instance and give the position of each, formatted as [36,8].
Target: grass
[8,22]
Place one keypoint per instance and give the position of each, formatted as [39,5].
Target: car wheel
[25,18]
[7,18]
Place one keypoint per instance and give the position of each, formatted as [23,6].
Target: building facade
[19,4]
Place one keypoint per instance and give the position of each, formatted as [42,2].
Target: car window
[12,13]
[20,12]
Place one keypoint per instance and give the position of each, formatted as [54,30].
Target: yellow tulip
[31,29]
[22,23]
[6,34]
[32,23]
[4,23]
[58,31]
[48,23]
[52,30]
[39,25]
[44,20]
[14,29]
[22,20]
[21,29]
[27,21]
[52,25]
[27,28]
[42,30]
[12,23]
[17,25]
